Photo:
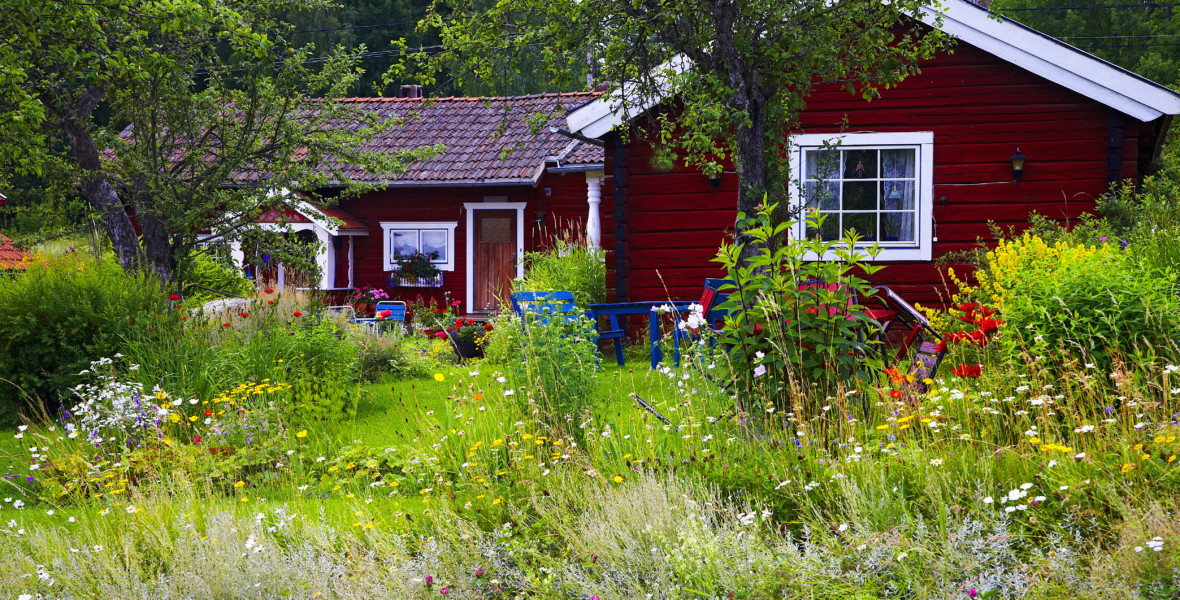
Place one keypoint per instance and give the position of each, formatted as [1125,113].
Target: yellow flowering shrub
[1080,299]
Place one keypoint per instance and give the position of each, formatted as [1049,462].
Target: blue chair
[397,314]
[544,306]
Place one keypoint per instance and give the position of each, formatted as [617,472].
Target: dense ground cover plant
[206,273]
[58,316]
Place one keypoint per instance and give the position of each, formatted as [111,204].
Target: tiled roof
[487,140]
[11,258]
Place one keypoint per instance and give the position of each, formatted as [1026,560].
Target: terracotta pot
[364,309]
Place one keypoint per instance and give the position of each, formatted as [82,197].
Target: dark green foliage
[60,315]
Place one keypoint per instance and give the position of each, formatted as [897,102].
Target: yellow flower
[240,484]
[1127,467]
[175,418]
[882,427]
[497,500]
[1034,440]
[1172,458]
[439,377]
[193,418]
[905,419]
[333,468]
[302,434]
[617,479]
[526,437]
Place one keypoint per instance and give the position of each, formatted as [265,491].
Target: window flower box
[417,282]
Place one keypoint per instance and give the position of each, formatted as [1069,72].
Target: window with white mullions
[871,190]
[878,184]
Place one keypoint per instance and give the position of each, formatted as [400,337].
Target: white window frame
[449,226]
[922,141]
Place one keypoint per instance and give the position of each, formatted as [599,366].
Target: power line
[1115,37]
[352,27]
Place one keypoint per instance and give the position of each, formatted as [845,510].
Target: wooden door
[495,257]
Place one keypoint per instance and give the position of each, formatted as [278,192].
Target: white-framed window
[880,184]
[435,239]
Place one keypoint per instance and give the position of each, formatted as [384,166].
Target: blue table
[615,333]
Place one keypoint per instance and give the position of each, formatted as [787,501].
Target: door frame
[470,208]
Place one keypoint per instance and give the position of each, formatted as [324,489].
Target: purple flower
[30,479]
[429,580]
[445,591]
[479,572]
[1101,239]
[971,593]
[1123,244]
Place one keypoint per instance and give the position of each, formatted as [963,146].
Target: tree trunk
[95,188]
[751,171]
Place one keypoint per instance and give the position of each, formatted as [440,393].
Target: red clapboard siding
[423,204]
[980,108]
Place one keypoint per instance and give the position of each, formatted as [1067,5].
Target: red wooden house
[922,169]
[500,188]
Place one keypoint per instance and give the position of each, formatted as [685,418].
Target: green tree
[740,71]
[213,112]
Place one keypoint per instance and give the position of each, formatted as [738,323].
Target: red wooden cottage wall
[560,198]
[980,108]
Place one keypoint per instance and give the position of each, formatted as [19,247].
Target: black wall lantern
[714,179]
[1017,165]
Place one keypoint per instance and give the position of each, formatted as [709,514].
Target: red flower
[456,303]
[440,311]
[225,324]
[968,371]
[270,291]
[245,314]
[197,440]
[298,314]
[440,335]
[895,394]
[208,413]
[385,314]
[487,326]
[184,318]
[469,323]
[270,301]
[173,298]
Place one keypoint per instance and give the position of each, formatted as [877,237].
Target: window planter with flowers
[415,270]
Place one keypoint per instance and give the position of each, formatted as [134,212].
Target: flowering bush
[794,321]
[1082,300]
[367,295]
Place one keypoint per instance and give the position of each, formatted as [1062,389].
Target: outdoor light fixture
[1017,165]
[714,179]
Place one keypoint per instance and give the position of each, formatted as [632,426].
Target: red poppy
[270,291]
[298,314]
[244,315]
[895,394]
[456,303]
[968,371]
[173,298]
[184,318]
[208,413]
[440,310]
[225,324]
[487,326]
[469,323]
[197,440]
[270,301]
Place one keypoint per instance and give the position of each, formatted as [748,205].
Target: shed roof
[1008,40]
[488,141]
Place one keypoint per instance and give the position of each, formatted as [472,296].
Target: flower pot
[466,348]
[364,309]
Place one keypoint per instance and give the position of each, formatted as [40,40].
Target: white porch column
[593,199]
[326,259]
[236,255]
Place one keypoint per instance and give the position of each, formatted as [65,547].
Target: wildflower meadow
[274,449]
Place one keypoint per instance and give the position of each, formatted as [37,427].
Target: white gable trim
[1052,59]
[1055,60]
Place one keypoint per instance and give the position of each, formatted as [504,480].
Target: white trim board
[470,208]
[1017,44]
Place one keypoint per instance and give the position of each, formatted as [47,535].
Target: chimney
[409,91]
